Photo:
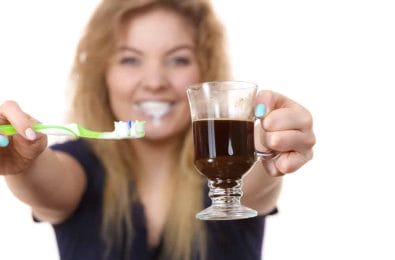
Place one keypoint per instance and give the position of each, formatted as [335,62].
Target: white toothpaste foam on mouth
[154,109]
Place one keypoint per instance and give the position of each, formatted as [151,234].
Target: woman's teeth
[154,109]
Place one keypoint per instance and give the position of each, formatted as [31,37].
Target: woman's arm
[52,183]
[52,186]
[260,190]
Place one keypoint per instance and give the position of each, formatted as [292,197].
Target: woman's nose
[155,78]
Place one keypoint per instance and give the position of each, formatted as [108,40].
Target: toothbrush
[122,130]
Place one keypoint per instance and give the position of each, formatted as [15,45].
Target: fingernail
[260,110]
[30,134]
[3,141]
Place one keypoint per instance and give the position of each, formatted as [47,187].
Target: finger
[295,118]
[12,113]
[292,161]
[286,141]
[274,100]
[287,163]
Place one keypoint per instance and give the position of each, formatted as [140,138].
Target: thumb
[273,100]
[267,98]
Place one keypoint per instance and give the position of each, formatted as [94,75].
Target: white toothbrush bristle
[128,128]
[121,128]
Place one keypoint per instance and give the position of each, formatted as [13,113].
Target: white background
[335,57]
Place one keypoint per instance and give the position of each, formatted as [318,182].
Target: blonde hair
[90,106]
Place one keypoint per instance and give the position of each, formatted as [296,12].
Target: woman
[137,199]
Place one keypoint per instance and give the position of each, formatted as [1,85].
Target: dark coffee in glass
[224,149]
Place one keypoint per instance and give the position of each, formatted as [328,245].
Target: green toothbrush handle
[123,130]
[10,130]
[7,129]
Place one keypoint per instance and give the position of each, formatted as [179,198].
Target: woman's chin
[156,129]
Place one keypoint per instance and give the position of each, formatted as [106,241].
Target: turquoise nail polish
[260,110]
[3,141]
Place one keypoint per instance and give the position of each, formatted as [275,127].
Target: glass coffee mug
[223,134]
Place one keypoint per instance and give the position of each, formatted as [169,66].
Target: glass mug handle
[266,155]
[260,112]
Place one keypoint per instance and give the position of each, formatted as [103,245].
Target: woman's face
[147,78]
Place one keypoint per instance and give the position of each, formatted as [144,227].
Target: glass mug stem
[225,203]
[221,197]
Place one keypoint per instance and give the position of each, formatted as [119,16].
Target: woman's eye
[179,61]
[130,61]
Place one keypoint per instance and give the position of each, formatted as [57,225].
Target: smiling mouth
[154,109]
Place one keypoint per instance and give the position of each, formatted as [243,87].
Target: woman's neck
[157,157]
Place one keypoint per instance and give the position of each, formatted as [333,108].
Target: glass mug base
[226,213]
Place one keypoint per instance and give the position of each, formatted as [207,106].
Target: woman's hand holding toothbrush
[25,138]
[18,152]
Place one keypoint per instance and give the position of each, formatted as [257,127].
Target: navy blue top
[79,236]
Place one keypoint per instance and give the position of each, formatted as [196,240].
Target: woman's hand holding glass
[286,128]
